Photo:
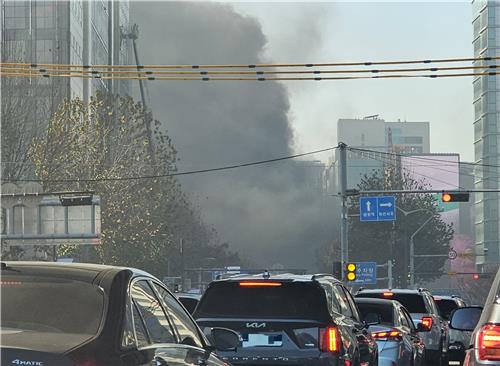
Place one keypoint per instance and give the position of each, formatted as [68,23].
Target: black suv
[288,320]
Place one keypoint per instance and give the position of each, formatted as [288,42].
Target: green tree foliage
[99,143]
[380,241]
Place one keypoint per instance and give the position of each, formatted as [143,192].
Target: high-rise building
[67,32]
[55,32]
[373,133]
[486,28]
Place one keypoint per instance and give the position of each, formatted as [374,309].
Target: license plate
[261,340]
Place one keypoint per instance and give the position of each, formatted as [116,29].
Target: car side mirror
[421,328]
[224,339]
[466,318]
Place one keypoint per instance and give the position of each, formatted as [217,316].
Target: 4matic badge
[27,363]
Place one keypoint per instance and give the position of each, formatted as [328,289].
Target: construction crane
[134,35]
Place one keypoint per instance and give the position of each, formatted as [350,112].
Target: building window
[80,219]
[16,14]
[44,51]
[413,139]
[25,220]
[45,14]
[52,219]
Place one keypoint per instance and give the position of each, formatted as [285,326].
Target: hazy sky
[368,31]
[269,212]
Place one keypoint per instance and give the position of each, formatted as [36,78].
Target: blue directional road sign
[366,273]
[377,208]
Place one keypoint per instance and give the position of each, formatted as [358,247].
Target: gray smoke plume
[270,214]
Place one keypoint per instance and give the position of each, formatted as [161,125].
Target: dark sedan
[399,343]
[84,314]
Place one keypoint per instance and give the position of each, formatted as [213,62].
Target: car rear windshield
[290,301]
[55,305]
[446,306]
[385,313]
[414,303]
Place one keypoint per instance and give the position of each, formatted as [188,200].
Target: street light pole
[412,251]
[412,245]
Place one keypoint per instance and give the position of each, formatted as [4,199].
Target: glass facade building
[67,32]
[486,43]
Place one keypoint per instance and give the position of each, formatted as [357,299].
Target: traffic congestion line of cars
[93,315]
[483,347]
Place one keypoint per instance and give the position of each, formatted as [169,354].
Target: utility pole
[344,224]
[182,265]
[389,273]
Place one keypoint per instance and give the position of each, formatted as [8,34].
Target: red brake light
[260,284]
[386,334]
[388,294]
[489,342]
[427,322]
[330,341]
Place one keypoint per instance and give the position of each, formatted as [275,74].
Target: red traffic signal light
[475,276]
[455,197]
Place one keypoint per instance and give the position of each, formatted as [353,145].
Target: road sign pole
[344,248]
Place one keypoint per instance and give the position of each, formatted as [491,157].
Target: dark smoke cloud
[266,213]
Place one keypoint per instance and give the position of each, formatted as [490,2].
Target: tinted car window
[150,310]
[54,305]
[385,313]
[409,320]
[431,304]
[140,328]
[186,329]
[352,304]
[290,300]
[446,306]
[342,300]
[414,303]
[189,304]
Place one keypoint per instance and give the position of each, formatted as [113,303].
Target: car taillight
[427,322]
[390,334]
[489,342]
[330,340]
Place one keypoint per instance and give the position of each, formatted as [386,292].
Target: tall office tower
[486,28]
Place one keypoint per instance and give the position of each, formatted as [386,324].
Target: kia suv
[424,310]
[306,320]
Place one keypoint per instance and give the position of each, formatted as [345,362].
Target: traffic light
[351,272]
[475,276]
[455,197]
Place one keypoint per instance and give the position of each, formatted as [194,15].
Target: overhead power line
[241,78]
[416,157]
[386,160]
[191,172]
[95,71]
[254,66]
